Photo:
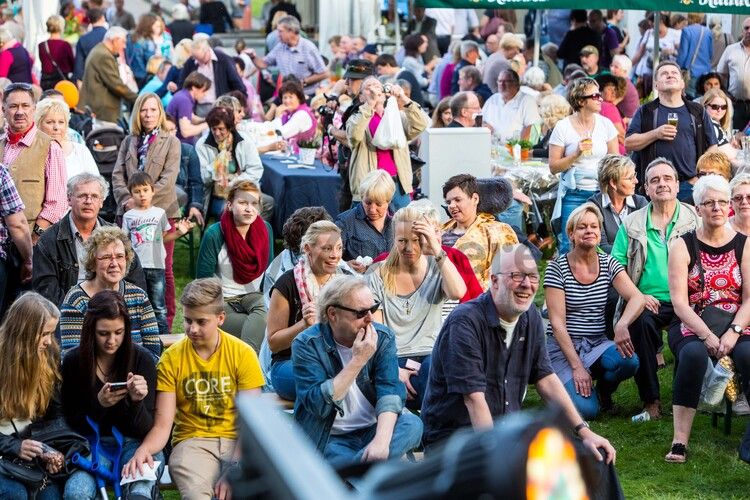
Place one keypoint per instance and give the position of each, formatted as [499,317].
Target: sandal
[677,455]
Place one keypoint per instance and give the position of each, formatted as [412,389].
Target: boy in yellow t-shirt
[197,382]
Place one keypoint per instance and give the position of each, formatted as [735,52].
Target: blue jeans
[686,192]
[282,378]
[513,216]
[82,485]
[418,381]
[609,370]
[348,448]
[400,197]
[14,490]
[572,200]
[155,281]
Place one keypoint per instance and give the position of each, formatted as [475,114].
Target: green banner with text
[708,6]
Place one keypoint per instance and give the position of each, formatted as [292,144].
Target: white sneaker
[740,406]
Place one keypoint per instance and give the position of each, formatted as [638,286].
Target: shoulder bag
[49,81]
[29,473]
[686,75]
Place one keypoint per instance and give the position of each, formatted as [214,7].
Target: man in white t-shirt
[510,110]
[350,401]
[734,66]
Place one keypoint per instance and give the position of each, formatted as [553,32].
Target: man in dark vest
[651,135]
[35,161]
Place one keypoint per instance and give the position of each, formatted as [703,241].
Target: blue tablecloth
[293,188]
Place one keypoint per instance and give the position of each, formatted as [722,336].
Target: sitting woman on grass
[576,286]
[107,356]
[237,250]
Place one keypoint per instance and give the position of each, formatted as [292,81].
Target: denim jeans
[282,378]
[15,490]
[418,381]
[348,448]
[155,280]
[82,485]
[609,370]
[513,216]
[573,199]
[686,193]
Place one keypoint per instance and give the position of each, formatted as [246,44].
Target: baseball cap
[588,50]
[370,48]
[358,69]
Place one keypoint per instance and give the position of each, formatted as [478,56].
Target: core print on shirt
[209,394]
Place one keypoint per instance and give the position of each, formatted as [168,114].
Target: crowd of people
[386,328]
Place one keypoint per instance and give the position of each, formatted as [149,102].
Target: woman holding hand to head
[29,361]
[411,287]
[105,356]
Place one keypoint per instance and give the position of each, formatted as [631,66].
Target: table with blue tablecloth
[293,188]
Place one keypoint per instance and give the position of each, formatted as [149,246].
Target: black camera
[326,115]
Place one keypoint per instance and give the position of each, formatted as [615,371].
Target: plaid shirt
[302,60]
[55,175]
[10,203]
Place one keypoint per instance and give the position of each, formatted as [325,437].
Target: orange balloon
[69,92]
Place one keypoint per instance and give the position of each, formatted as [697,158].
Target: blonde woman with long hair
[29,360]
[411,285]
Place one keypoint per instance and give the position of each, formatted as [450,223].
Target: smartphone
[478,120]
[413,365]
[116,386]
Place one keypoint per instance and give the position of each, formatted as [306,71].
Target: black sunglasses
[718,107]
[17,86]
[359,313]
[597,96]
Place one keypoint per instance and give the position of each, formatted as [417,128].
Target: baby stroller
[104,144]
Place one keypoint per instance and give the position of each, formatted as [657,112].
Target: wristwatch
[440,256]
[580,427]
[38,230]
[736,329]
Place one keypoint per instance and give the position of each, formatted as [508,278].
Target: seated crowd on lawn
[386,329]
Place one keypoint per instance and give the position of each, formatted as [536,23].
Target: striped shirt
[10,203]
[55,204]
[584,304]
[302,60]
[143,327]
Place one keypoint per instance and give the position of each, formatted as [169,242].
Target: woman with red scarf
[294,118]
[237,250]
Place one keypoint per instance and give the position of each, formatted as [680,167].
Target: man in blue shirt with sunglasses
[350,401]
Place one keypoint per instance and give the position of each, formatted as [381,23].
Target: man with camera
[356,71]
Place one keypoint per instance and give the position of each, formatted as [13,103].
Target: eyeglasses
[518,277]
[86,197]
[739,198]
[596,97]
[713,203]
[120,257]
[359,313]
[718,107]
[704,173]
[17,86]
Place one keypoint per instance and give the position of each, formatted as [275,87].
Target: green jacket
[102,89]
[211,243]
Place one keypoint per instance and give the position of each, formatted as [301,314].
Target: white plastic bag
[390,133]
[715,384]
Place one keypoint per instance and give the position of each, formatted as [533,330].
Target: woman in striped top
[576,286]
[108,258]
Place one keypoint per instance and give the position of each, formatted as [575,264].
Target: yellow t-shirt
[205,389]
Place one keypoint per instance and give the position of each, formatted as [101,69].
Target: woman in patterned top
[576,286]
[706,270]
[108,258]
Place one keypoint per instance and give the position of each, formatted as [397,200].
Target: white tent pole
[537,35]
[657,23]
[397,25]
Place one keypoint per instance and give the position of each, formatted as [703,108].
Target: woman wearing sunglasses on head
[294,296]
[576,145]
[411,285]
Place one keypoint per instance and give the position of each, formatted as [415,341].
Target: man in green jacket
[103,89]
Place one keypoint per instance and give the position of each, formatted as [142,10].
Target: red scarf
[14,137]
[249,255]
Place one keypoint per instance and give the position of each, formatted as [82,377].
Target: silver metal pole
[537,36]
[657,23]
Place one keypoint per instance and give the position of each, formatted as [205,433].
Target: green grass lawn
[713,470]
